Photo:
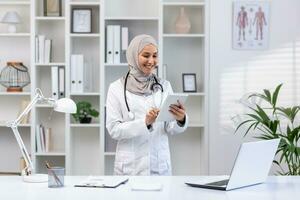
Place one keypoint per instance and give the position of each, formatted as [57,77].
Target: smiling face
[148,59]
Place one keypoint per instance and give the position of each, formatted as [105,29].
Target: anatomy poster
[250,25]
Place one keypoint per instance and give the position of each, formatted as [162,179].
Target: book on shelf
[43,139]
[43,49]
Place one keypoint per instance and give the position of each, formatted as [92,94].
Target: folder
[109,44]
[61,82]
[73,74]
[79,73]
[54,82]
[117,43]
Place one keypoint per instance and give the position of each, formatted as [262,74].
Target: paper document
[103,182]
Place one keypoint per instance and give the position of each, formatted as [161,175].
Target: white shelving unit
[85,149]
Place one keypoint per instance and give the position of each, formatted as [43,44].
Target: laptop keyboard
[219,183]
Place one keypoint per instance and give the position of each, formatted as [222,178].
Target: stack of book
[42,49]
[116,43]
[43,139]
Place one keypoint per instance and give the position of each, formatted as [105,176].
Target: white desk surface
[276,187]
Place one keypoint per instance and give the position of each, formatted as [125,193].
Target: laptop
[251,167]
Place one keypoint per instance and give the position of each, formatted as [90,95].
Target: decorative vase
[14,76]
[85,120]
[183,24]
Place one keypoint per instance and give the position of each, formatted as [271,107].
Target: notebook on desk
[103,182]
[251,167]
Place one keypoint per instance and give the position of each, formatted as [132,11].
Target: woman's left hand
[178,111]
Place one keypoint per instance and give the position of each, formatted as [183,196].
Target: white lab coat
[139,150]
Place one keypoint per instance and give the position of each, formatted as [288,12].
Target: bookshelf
[85,149]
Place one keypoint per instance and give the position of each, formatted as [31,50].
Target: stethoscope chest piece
[130,115]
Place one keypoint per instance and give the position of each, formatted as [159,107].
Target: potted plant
[85,112]
[273,121]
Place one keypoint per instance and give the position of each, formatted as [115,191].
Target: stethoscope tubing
[130,114]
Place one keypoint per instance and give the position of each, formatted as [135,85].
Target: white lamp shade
[65,105]
[11,17]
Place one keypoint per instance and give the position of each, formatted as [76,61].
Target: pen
[57,180]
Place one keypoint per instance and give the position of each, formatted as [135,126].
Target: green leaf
[241,124]
[275,95]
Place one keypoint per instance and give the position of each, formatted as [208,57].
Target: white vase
[183,24]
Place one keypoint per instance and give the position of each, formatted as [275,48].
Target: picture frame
[53,8]
[81,20]
[189,83]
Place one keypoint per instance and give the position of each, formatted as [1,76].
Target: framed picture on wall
[53,8]
[189,82]
[81,20]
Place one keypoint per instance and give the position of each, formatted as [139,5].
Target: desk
[11,188]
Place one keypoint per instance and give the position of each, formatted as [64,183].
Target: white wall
[234,73]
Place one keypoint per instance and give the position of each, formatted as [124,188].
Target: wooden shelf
[85,125]
[50,18]
[189,35]
[133,18]
[183,3]
[86,94]
[50,64]
[15,35]
[195,125]
[84,34]
[50,154]
[116,65]
[14,3]
[109,153]
[20,125]
[14,93]
[84,3]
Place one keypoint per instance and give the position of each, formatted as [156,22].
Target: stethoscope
[154,88]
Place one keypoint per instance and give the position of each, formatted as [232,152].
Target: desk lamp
[64,105]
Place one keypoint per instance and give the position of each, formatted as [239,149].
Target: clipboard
[103,182]
[164,113]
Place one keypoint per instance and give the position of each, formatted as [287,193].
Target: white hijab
[137,82]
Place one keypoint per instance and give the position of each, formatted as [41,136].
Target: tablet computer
[164,113]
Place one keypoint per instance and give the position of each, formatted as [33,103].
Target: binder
[109,44]
[79,73]
[54,83]
[124,38]
[73,74]
[117,43]
[61,82]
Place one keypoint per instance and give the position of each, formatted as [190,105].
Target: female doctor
[132,107]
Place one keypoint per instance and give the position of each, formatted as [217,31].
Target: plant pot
[86,120]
